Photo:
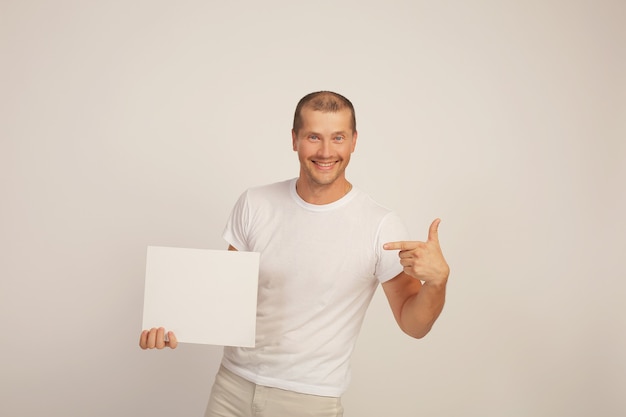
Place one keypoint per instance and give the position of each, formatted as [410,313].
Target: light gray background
[133,123]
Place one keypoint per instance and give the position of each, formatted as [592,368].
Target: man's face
[324,144]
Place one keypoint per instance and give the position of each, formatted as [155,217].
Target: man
[325,245]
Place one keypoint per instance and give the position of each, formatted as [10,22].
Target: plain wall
[133,123]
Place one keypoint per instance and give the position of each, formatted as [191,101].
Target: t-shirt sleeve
[391,229]
[236,230]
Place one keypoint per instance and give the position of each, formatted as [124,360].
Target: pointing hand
[423,260]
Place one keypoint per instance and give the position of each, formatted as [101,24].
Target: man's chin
[322,182]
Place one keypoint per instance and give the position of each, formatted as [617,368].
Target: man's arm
[416,306]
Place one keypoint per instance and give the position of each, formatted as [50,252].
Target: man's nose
[325,149]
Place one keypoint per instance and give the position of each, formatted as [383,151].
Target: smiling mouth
[325,165]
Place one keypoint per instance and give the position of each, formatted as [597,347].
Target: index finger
[402,245]
[173,342]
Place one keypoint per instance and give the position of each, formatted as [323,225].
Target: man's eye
[339,138]
[313,137]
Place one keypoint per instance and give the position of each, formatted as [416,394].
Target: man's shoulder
[365,200]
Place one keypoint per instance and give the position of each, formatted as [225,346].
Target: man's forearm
[420,312]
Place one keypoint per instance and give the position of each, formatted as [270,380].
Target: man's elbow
[418,332]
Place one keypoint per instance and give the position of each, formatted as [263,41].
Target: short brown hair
[324,101]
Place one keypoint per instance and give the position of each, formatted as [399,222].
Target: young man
[325,245]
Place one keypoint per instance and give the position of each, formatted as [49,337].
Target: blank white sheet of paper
[203,296]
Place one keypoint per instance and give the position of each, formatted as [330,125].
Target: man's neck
[319,194]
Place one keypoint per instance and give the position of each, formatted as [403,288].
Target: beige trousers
[233,396]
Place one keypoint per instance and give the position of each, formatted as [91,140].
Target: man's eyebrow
[312,132]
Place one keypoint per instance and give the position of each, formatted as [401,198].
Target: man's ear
[294,140]
[354,137]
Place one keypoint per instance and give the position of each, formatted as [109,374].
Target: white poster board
[203,296]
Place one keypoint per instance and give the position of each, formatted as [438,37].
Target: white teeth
[327,164]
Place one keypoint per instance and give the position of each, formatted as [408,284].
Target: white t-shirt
[319,268]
